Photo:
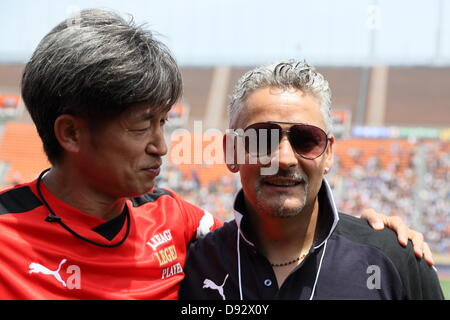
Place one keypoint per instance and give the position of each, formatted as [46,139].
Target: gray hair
[96,67]
[287,74]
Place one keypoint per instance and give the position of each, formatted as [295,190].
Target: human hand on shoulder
[378,221]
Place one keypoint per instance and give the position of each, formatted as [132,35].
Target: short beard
[281,211]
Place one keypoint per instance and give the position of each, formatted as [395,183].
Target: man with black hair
[94,226]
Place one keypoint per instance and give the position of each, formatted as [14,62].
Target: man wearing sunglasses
[95,226]
[288,240]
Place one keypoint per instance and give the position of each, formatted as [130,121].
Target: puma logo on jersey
[74,281]
[211,285]
[39,268]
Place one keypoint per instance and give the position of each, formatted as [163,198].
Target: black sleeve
[420,280]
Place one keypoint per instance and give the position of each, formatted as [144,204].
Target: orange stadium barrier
[21,149]
[359,151]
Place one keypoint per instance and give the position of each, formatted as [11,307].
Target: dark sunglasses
[262,138]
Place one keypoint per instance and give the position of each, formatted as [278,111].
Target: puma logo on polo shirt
[209,284]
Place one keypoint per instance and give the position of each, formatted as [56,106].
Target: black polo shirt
[348,260]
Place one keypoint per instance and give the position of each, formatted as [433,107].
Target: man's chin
[281,210]
[288,212]
[141,190]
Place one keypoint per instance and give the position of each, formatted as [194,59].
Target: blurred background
[387,62]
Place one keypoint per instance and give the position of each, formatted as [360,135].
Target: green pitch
[445,284]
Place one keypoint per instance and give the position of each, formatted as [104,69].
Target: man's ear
[68,132]
[329,155]
[229,151]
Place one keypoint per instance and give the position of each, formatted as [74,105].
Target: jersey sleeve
[428,287]
[197,222]
[420,281]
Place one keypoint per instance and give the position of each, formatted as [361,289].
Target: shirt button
[267,282]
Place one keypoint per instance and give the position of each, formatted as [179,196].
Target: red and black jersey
[41,260]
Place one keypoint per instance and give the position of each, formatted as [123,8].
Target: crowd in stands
[409,179]
[215,196]
[393,186]
[419,193]
[436,197]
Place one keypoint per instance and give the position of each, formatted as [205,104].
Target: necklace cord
[289,262]
[52,217]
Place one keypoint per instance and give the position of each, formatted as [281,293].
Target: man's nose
[287,157]
[157,144]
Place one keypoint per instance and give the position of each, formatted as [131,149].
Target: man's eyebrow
[148,114]
[145,115]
